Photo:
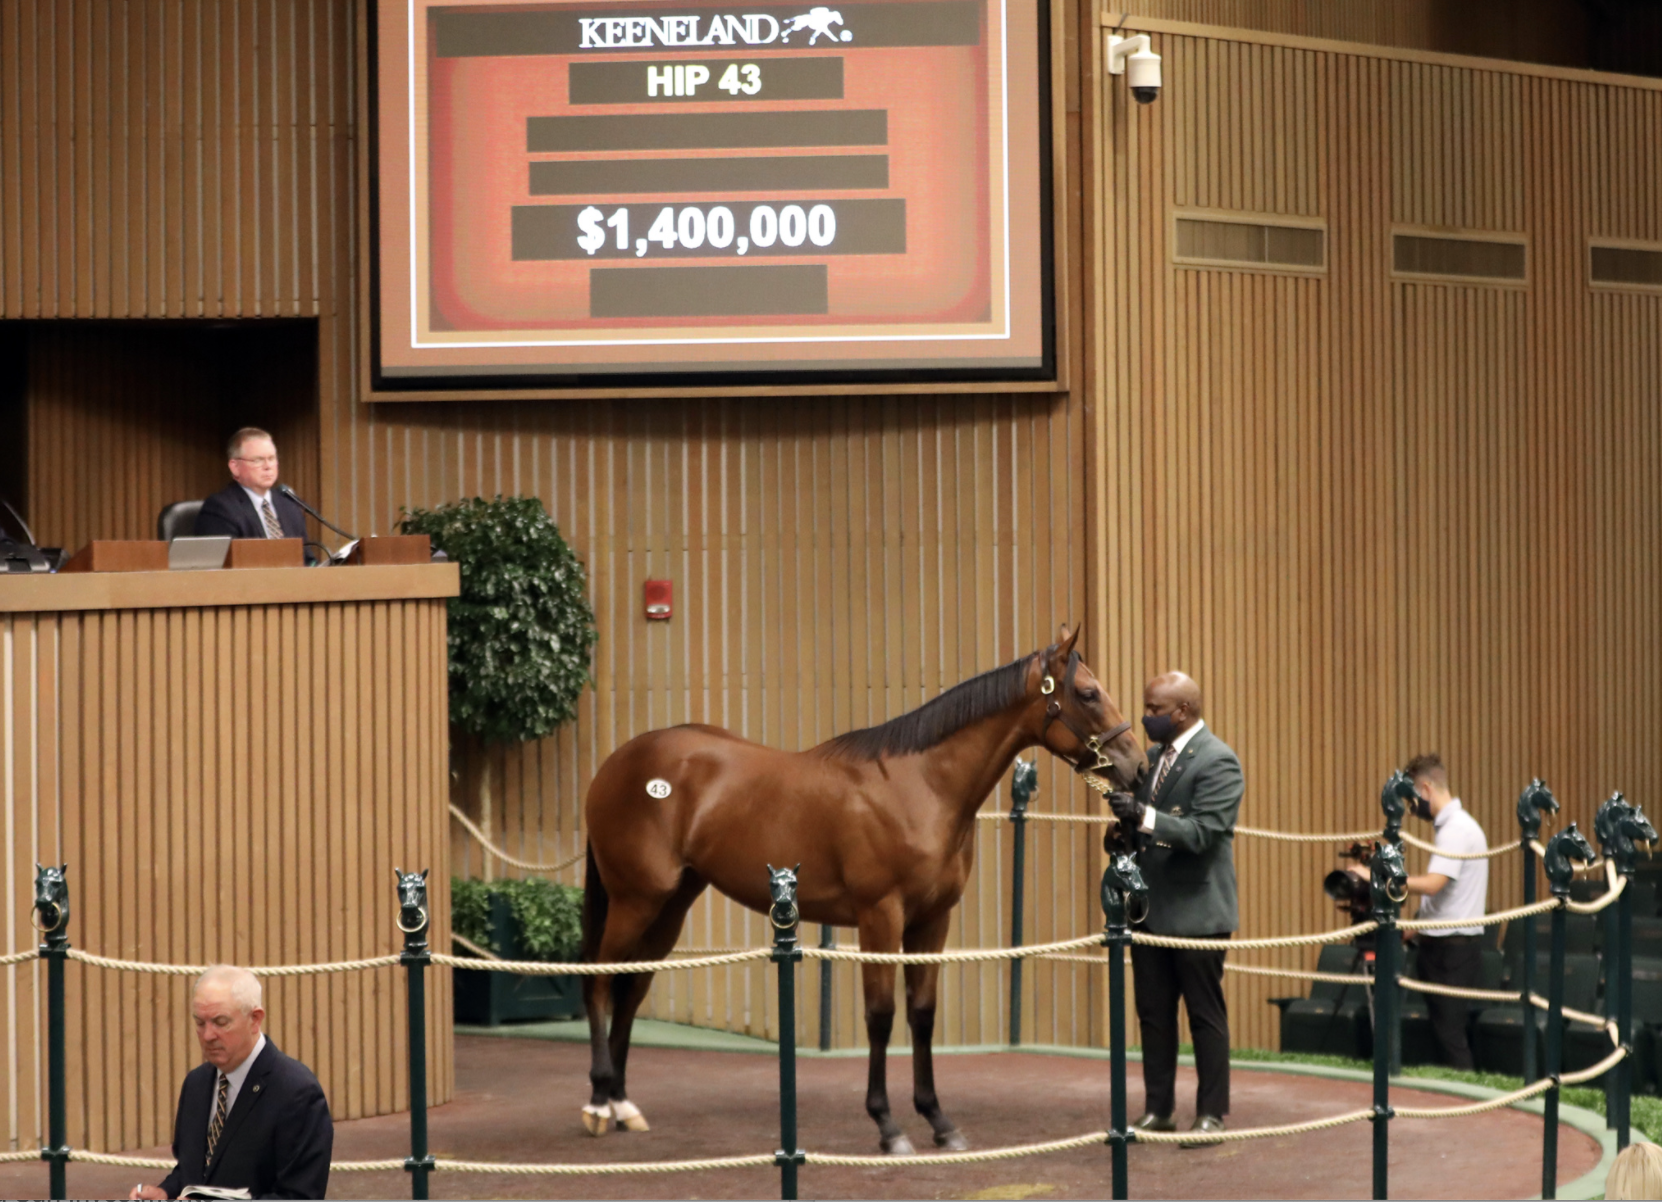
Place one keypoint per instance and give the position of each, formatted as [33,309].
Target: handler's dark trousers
[1451,960]
[1162,975]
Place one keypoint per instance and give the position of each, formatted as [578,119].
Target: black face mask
[1160,728]
[1422,809]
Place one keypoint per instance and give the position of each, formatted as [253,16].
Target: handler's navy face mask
[1160,728]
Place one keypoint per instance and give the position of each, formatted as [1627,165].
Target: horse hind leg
[921,983]
[628,992]
[626,923]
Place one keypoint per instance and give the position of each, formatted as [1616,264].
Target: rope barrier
[1290,837]
[1212,945]
[1480,920]
[552,968]
[1010,1153]
[270,970]
[1450,1112]
[484,953]
[1219,1137]
[1475,995]
[1414,841]
[126,1162]
[758,1161]
[19,1157]
[19,957]
[962,956]
[1603,1066]
[1333,978]
[1615,884]
[528,865]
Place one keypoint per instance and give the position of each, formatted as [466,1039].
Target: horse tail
[594,907]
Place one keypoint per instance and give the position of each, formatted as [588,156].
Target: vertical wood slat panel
[1421,575]
[167,863]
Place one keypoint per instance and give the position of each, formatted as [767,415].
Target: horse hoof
[597,1120]
[898,1146]
[951,1141]
[629,1116]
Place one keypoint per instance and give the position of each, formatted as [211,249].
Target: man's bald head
[1171,705]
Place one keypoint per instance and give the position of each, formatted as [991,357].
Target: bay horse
[881,821]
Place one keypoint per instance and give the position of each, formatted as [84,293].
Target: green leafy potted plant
[521,641]
[532,919]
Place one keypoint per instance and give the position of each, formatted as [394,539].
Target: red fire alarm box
[657,600]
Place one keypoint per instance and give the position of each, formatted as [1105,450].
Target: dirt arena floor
[518,1100]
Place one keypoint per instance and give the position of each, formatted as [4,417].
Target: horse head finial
[1535,801]
[782,889]
[1566,845]
[1388,878]
[1621,826]
[1024,783]
[1395,798]
[1124,892]
[51,897]
[412,906]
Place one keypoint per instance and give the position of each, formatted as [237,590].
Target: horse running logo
[820,19]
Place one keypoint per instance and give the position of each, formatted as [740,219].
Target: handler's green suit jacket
[1188,859]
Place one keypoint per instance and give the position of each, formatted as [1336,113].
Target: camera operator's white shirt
[1468,880]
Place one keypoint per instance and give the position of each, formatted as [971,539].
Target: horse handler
[1185,808]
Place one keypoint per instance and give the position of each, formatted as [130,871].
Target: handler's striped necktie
[215,1127]
[273,529]
[1166,761]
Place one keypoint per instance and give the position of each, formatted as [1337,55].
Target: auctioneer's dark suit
[231,511]
[277,1137]
[1189,864]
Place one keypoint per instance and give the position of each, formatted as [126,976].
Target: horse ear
[1066,639]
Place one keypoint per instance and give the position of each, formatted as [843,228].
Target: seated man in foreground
[249,1117]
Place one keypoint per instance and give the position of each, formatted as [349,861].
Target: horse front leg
[921,982]
[880,932]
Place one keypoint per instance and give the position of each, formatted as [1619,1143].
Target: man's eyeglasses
[262,461]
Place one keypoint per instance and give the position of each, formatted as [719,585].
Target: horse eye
[1087,694]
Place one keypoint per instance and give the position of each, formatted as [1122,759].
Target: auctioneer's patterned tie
[273,528]
[218,1125]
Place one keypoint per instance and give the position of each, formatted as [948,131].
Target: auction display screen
[596,191]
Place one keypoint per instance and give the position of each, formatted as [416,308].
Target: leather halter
[1092,744]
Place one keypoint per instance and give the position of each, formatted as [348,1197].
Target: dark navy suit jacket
[277,1138]
[231,511]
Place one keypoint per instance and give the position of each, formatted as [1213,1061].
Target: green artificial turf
[1647,1111]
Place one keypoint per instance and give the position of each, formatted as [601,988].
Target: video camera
[1351,892]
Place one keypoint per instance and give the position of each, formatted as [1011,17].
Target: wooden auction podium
[231,763]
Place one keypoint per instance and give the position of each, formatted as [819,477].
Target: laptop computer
[194,552]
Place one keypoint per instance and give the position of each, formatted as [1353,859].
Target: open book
[212,1191]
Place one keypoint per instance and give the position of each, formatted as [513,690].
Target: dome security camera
[1134,58]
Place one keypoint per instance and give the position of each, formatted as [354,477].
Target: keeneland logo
[722,29]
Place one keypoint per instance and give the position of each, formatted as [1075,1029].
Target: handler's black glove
[1127,809]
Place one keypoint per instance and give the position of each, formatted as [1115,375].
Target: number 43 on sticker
[737,78]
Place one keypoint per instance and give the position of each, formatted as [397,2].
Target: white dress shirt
[1468,880]
[236,1077]
[1173,750]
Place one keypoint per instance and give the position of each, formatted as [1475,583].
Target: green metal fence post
[787,954]
[1388,888]
[1024,784]
[414,922]
[1123,892]
[827,940]
[1399,793]
[52,921]
[1620,826]
[1533,802]
[1563,846]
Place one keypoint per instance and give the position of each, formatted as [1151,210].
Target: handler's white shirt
[1468,880]
[1173,750]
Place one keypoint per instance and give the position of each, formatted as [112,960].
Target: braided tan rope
[1578,1016]
[1476,995]
[123,1162]
[528,865]
[1413,841]
[484,953]
[1451,1112]
[1334,978]
[268,970]
[1290,837]
[556,968]
[19,957]
[1010,1153]
[1595,865]
[1581,1077]
[365,1166]
[1616,883]
[760,1160]
[17,1157]
[1219,1137]
[1212,945]
[961,956]
[1480,920]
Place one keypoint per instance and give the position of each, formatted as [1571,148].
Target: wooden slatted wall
[130,759]
[1380,516]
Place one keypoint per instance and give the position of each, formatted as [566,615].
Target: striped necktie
[1166,761]
[273,528]
[218,1125]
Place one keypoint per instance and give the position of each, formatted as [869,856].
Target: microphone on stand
[351,539]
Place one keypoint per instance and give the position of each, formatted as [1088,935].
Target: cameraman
[1449,888]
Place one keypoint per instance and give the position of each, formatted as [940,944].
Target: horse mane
[938,719]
